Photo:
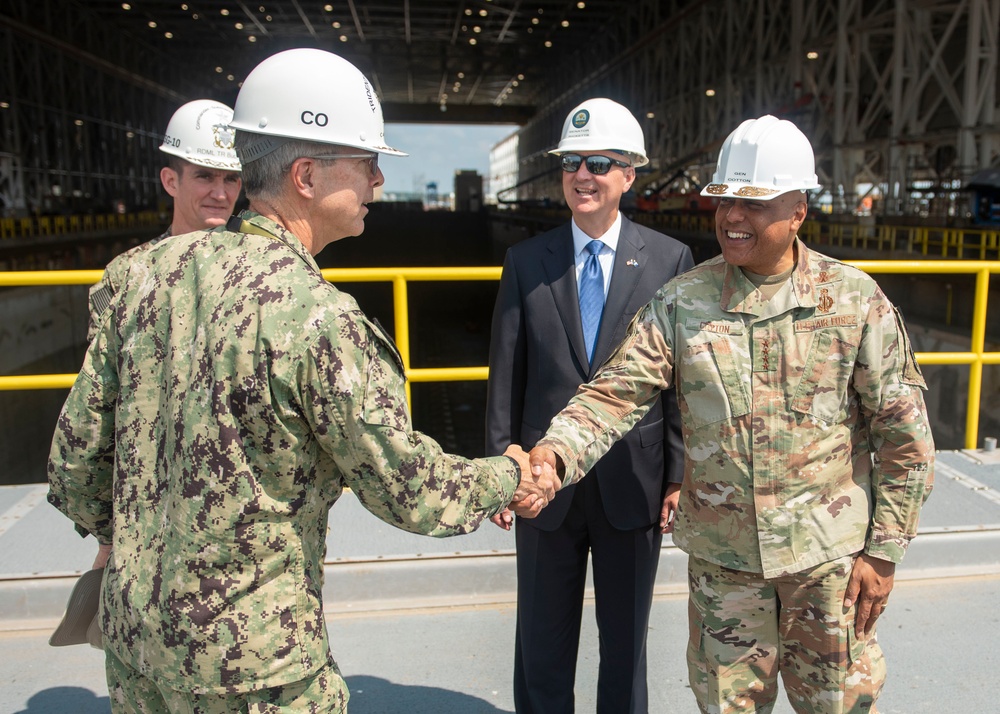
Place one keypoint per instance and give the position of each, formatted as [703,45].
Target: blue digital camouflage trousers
[325,692]
[745,629]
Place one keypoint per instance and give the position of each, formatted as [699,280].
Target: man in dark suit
[565,299]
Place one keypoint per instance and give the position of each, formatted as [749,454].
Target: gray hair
[263,177]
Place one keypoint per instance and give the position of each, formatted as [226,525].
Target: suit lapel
[629,267]
[560,268]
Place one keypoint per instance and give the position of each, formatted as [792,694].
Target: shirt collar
[610,238]
[739,293]
[280,233]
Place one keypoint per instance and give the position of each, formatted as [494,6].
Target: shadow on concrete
[66,699]
[374,695]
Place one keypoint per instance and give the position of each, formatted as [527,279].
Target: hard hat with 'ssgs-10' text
[200,132]
[762,159]
[310,95]
[601,124]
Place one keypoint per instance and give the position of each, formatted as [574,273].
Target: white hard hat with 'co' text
[311,95]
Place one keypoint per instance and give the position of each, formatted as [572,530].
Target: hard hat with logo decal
[311,95]
[762,159]
[199,132]
[600,124]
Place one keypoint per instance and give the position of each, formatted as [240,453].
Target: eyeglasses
[597,164]
[372,159]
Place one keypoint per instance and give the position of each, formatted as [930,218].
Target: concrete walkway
[940,638]
[426,625]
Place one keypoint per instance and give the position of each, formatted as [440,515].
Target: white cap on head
[762,159]
[602,125]
[310,95]
[200,132]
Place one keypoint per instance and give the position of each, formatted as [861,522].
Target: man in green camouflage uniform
[202,176]
[808,450]
[229,398]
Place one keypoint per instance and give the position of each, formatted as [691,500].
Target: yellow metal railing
[958,243]
[976,357]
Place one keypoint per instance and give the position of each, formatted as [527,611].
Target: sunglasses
[597,165]
[372,160]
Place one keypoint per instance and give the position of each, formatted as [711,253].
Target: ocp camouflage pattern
[230,396]
[745,629]
[806,436]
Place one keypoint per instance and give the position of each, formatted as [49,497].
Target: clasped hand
[539,483]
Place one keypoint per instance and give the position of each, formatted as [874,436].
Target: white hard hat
[312,95]
[602,125]
[199,132]
[762,159]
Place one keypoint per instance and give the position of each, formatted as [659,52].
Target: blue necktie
[592,297]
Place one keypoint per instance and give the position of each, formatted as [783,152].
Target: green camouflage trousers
[133,693]
[744,629]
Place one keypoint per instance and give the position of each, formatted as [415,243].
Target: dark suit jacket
[538,359]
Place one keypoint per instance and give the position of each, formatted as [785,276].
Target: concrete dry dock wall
[43,330]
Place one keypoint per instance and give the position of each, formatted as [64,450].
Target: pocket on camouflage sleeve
[916,494]
[911,370]
[384,401]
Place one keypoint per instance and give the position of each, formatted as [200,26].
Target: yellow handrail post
[401,310]
[976,368]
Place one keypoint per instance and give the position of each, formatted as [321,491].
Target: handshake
[539,483]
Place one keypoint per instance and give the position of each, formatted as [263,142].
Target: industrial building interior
[900,99]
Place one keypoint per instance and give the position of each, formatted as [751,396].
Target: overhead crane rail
[976,356]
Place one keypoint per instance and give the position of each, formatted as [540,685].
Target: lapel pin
[632,262]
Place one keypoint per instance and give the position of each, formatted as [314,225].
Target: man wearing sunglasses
[564,302]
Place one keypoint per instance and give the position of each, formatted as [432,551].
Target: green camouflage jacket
[111,281]
[229,398]
[806,436]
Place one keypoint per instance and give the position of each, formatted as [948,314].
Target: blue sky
[436,151]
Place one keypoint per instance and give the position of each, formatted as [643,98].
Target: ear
[799,214]
[170,181]
[303,176]
[629,179]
